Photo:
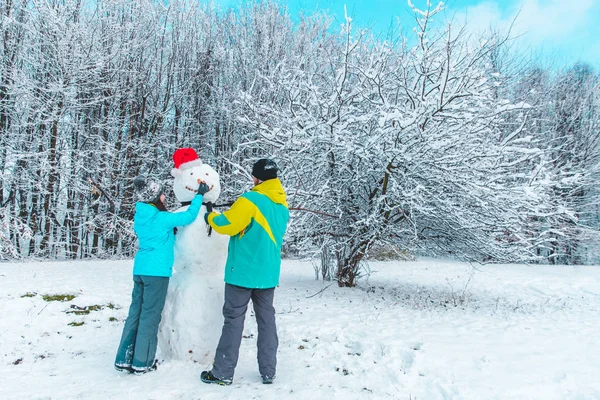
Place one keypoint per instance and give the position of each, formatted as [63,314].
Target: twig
[7,200]
[320,291]
[97,187]
[312,211]
[229,204]
[43,308]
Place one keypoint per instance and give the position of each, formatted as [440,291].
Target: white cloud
[555,20]
[482,17]
[559,26]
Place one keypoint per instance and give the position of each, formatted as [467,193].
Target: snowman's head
[187,180]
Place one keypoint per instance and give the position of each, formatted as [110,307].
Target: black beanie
[264,169]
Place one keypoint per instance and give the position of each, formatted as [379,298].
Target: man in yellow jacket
[256,223]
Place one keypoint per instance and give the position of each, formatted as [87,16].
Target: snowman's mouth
[191,190]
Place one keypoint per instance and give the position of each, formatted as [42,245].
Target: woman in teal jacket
[152,268]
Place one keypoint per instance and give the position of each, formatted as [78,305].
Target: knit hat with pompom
[147,190]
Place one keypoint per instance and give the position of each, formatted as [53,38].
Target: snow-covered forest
[429,141]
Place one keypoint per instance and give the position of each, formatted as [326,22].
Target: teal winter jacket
[256,223]
[154,230]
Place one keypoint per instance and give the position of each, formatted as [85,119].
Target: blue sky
[565,31]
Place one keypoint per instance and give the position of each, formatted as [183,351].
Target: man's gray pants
[234,311]
[139,339]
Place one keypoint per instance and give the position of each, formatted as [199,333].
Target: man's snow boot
[208,377]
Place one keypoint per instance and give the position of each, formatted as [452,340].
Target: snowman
[192,320]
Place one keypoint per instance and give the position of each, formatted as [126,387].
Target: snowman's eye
[207,174]
[191,173]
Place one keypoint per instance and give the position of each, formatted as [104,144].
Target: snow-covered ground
[412,330]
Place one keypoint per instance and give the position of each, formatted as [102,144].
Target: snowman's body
[192,317]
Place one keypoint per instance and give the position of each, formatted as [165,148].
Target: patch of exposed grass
[112,319]
[79,312]
[76,323]
[58,297]
[29,294]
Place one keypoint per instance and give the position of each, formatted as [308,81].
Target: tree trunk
[348,264]
[53,182]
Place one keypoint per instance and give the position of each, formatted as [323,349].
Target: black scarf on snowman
[209,208]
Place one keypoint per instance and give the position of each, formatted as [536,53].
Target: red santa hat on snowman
[184,159]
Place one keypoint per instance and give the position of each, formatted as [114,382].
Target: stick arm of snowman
[292,208]
[238,217]
[229,204]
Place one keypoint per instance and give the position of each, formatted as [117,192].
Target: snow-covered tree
[433,143]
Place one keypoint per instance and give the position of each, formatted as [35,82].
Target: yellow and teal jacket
[256,223]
